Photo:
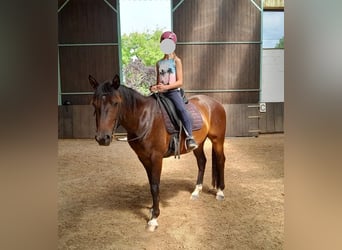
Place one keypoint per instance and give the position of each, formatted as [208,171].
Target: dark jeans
[176,98]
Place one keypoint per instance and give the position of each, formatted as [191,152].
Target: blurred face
[167,46]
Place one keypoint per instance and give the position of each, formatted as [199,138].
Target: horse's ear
[93,82]
[116,82]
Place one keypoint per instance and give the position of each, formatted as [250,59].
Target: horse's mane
[130,96]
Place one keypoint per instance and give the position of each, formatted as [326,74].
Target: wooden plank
[76,63]
[87,21]
[65,121]
[218,20]
[238,123]
[83,123]
[279,117]
[253,119]
[262,122]
[273,4]
[60,122]
[90,120]
[232,66]
[272,121]
[77,122]
[270,118]
[77,99]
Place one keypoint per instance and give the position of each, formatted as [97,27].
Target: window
[273,29]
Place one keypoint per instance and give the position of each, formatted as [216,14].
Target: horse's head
[106,101]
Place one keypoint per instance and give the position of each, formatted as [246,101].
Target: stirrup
[190,143]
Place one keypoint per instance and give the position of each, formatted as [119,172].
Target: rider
[169,81]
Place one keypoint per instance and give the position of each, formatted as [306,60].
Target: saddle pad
[195,116]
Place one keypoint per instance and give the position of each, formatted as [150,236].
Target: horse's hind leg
[201,162]
[218,161]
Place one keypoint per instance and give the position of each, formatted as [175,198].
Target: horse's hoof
[152,225]
[196,192]
[194,197]
[151,228]
[220,197]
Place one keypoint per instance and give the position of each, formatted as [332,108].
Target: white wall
[272,87]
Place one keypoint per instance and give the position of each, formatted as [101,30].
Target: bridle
[116,125]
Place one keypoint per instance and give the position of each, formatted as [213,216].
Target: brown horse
[147,135]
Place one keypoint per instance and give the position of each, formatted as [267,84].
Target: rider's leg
[184,116]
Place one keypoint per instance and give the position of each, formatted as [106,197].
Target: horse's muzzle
[103,140]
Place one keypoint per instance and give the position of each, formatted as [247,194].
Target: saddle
[173,123]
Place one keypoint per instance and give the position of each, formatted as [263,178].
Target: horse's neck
[136,118]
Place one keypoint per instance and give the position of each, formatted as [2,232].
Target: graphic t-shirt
[167,71]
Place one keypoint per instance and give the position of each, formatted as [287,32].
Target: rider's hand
[154,88]
[162,87]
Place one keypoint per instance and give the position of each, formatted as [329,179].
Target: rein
[138,137]
[133,139]
[116,122]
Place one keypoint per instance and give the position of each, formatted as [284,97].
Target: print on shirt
[167,71]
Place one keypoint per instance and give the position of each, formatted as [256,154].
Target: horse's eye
[114,104]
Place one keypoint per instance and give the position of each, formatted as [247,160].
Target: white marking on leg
[219,194]
[152,225]
[153,222]
[195,193]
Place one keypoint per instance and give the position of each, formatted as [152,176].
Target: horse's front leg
[152,224]
[153,169]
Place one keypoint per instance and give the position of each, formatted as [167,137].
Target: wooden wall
[238,123]
[247,120]
[88,44]
[272,121]
[219,43]
[76,121]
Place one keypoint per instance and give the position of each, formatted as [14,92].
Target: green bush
[140,52]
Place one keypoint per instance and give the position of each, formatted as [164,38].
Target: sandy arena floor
[104,198]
